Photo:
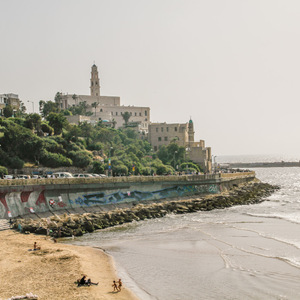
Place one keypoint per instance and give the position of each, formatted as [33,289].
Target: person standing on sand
[120,285]
[115,286]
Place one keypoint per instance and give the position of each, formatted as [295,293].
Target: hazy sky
[231,65]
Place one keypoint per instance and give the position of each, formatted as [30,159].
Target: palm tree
[95,104]
[126,115]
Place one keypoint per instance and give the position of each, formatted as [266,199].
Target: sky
[233,66]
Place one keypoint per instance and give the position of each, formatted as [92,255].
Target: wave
[292,217]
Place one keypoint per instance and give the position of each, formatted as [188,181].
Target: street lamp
[32,105]
[175,160]
[109,162]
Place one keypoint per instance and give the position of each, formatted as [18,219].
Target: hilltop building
[9,99]
[182,134]
[105,108]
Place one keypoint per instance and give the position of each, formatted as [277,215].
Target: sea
[242,252]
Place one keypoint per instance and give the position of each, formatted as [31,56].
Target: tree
[94,105]
[58,97]
[126,116]
[57,122]
[46,107]
[3,171]
[8,111]
[33,121]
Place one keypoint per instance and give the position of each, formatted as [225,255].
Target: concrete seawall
[20,197]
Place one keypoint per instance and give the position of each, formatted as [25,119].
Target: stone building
[183,135]
[105,108]
[9,99]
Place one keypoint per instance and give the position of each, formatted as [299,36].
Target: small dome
[190,121]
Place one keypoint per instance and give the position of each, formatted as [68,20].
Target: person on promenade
[114,285]
[120,285]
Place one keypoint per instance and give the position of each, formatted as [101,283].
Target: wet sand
[50,273]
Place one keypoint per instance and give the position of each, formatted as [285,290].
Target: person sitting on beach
[36,247]
[89,282]
[120,285]
[82,281]
[114,285]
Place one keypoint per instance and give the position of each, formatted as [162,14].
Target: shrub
[54,160]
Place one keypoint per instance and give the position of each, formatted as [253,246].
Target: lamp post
[109,162]
[175,160]
[150,161]
[32,105]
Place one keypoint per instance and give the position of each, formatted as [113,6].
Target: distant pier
[264,164]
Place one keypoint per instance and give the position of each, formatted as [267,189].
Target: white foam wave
[290,217]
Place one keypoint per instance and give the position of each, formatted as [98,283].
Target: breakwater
[67,225]
[38,198]
[280,164]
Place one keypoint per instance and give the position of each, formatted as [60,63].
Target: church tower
[95,84]
[191,131]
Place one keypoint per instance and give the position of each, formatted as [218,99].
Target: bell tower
[95,84]
[191,131]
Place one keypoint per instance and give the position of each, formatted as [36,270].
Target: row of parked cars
[55,175]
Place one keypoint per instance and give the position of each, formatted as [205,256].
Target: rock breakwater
[77,224]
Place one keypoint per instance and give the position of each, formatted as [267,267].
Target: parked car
[62,175]
[8,177]
[102,175]
[83,175]
[23,177]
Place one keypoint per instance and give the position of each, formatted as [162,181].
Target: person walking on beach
[120,285]
[115,286]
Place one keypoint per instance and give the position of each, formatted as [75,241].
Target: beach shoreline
[51,272]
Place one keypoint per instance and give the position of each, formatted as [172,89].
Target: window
[155,148]
[146,119]
[162,129]
[116,113]
[166,138]
[146,113]
[167,129]
[159,139]
[131,113]
[92,83]
[135,114]
[175,128]
[140,114]
[101,109]
[156,129]
[112,113]
[96,83]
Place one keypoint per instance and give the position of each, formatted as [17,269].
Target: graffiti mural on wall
[101,198]
[20,203]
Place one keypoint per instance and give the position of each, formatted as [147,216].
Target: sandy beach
[50,273]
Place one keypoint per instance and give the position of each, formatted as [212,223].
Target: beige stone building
[9,99]
[106,108]
[183,135]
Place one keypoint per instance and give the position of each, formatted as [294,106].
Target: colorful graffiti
[18,203]
[101,198]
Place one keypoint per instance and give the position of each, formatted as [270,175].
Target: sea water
[242,252]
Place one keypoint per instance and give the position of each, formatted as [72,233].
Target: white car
[23,177]
[83,175]
[62,175]
[8,177]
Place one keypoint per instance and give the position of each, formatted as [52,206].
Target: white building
[106,108]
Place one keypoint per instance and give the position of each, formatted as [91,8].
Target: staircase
[4,224]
